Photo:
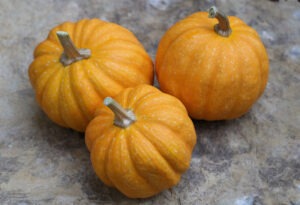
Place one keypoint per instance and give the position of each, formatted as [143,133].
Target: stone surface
[253,160]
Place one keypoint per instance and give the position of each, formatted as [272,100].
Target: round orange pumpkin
[143,143]
[81,63]
[216,65]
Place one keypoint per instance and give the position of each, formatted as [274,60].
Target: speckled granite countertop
[253,160]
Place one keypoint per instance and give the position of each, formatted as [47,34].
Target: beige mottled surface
[254,160]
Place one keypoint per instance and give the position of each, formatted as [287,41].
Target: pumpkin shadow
[214,138]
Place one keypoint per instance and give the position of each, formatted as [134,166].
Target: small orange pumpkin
[142,145]
[217,66]
[70,82]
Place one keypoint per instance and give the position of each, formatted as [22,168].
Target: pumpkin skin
[149,155]
[215,77]
[69,94]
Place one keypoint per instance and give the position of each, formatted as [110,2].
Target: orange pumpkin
[70,82]
[216,65]
[143,143]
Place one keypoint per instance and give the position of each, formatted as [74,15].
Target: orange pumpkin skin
[149,155]
[69,94]
[215,77]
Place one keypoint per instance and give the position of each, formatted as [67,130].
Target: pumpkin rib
[102,174]
[141,130]
[96,86]
[114,173]
[149,136]
[75,79]
[90,30]
[47,48]
[166,50]
[80,32]
[175,131]
[249,49]
[110,66]
[135,95]
[133,164]
[97,126]
[106,45]
[151,104]
[226,84]
[240,77]
[212,65]
[66,90]
[258,56]
[264,65]
[94,75]
[55,71]
[190,69]
[99,69]
[107,33]
[192,21]
[52,100]
[137,72]
[40,88]
[170,179]
[123,99]
[139,104]
[118,49]
[116,46]
[87,88]
[37,68]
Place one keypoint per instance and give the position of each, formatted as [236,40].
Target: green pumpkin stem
[71,54]
[223,27]
[123,117]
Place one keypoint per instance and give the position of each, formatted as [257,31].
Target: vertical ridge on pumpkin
[104,84]
[212,65]
[99,154]
[251,78]
[239,79]
[264,65]
[69,109]
[80,32]
[88,29]
[137,62]
[50,96]
[190,68]
[38,67]
[225,81]
[120,166]
[86,97]
[164,143]
[149,164]
[97,30]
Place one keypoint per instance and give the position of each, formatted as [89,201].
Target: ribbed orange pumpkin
[218,66]
[142,145]
[70,82]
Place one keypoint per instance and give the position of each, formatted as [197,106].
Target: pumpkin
[216,65]
[81,63]
[141,141]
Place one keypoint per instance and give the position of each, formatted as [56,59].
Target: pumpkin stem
[123,117]
[71,54]
[223,27]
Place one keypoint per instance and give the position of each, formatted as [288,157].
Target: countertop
[253,160]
